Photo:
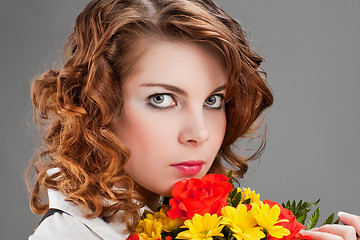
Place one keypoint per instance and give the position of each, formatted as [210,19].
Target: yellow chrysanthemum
[242,223]
[202,227]
[247,193]
[150,228]
[155,223]
[168,223]
[267,217]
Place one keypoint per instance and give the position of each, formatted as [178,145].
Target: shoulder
[73,224]
[62,226]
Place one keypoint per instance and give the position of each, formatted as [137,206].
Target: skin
[349,231]
[185,121]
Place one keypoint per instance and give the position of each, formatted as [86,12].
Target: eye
[214,101]
[162,100]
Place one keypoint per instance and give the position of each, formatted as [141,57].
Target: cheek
[218,126]
[145,134]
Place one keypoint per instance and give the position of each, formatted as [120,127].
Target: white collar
[106,231]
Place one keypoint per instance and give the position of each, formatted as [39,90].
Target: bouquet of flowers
[212,208]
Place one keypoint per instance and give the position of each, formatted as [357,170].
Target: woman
[151,92]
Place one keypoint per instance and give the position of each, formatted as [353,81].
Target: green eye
[162,100]
[158,99]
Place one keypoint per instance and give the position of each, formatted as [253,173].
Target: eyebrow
[178,90]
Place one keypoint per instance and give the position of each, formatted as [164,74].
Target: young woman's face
[173,119]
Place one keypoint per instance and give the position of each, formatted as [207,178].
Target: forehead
[176,61]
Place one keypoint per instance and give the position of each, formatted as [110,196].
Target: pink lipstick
[189,167]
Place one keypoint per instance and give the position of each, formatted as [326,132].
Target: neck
[152,199]
[153,203]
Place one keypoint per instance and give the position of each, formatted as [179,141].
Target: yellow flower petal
[202,227]
[247,193]
[267,217]
[242,223]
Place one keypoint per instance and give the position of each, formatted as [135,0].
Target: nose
[194,130]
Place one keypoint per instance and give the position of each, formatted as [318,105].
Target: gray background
[312,58]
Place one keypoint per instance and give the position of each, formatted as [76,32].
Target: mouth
[189,167]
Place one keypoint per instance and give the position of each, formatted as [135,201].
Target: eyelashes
[215,101]
[164,101]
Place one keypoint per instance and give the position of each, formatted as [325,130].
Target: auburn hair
[76,104]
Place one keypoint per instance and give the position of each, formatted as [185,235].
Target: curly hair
[77,103]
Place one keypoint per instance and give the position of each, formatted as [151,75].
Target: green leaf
[232,194]
[293,206]
[229,174]
[236,200]
[299,209]
[314,204]
[329,220]
[288,204]
[231,180]
[313,219]
[302,209]
[247,201]
[302,218]
[299,206]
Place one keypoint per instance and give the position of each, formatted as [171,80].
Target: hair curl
[77,103]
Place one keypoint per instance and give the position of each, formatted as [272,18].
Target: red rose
[298,236]
[206,195]
[133,237]
[293,225]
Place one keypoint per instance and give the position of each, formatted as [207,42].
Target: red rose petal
[193,204]
[175,211]
[192,196]
[179,188]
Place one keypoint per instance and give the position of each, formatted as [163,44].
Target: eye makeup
[162,100]
[165,101]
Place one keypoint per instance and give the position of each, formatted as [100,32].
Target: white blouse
[76,226]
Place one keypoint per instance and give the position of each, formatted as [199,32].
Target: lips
[189,167]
